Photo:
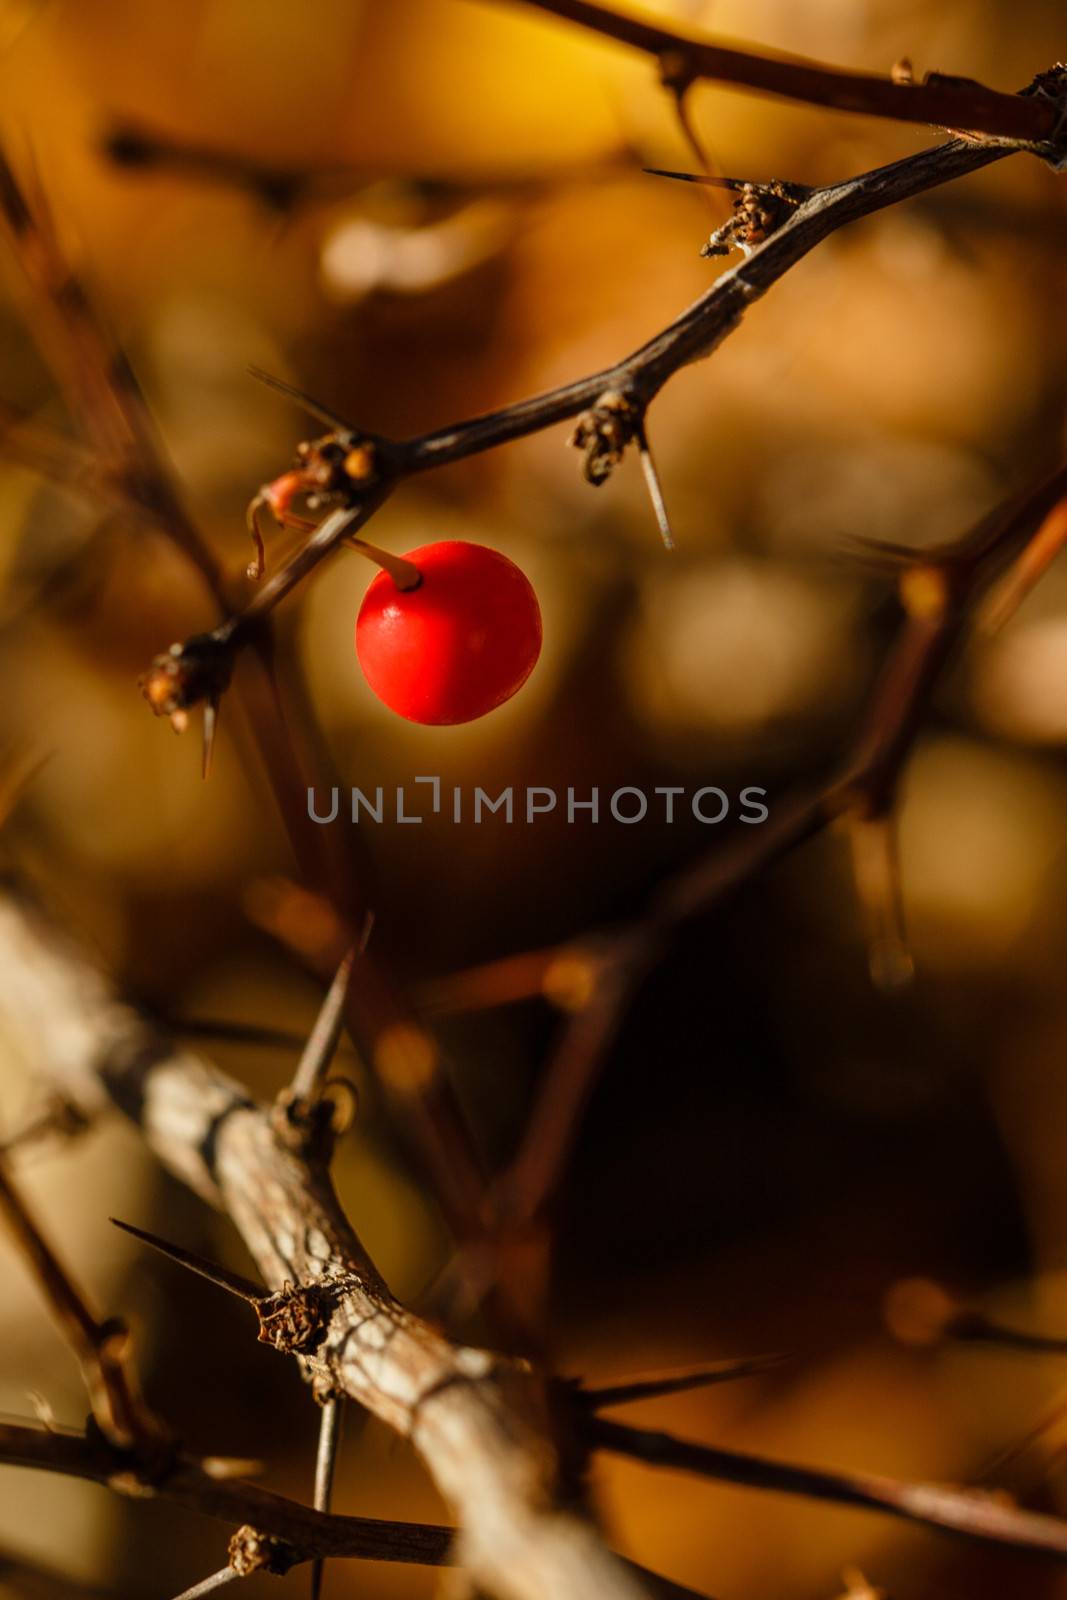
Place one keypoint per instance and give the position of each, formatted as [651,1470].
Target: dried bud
[293,1319]
[925,590]
[309,1125]
[304,1124]
[361,462]
[186,674]
[252,1551]
[759,209]
[604,431]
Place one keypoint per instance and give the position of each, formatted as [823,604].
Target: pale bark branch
[484,1425]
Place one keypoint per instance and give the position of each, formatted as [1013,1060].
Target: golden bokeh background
[775,1143]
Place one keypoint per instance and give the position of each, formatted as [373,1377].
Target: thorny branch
[104,397]
[302,1532]
[486,1426]
[482,1423]
[102,1347]
[132,1451]
[945,102]
[939,591]
[974,1513]
[611,404]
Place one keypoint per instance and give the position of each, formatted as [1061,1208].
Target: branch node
[309,1124]
[331,472]
[759,209]
[187,674]
[324,1388]
[132,1485]
[676,71]
[1051,85]
[305,1117]
[252,1551]
[59,1117]
[604,431]
[294,1319]
[925,591]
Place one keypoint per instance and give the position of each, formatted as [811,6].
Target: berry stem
[405,574]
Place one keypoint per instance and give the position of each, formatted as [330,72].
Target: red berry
[460,643]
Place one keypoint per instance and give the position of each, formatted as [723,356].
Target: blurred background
[774,1143]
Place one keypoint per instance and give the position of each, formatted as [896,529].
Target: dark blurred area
[453,217]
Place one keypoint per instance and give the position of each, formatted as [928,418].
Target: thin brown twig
[231,1500]
[50,454]
[945,102]
[657,1385]
[481,1422]
[974,1513]
[633,382]
[103,1348]
[137,148]
[938,594]
[325,1468]
[104,397]
[59,1118]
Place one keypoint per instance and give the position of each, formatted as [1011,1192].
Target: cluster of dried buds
[604,431]
[186,674]
[759,208]
[252,1551]
[330,471]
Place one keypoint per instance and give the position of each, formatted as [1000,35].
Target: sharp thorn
[322,1043]
[876,868]
[882,552]
[42,1409]
[974,1327]
[325,1467]
[222,1277]
[655,492]
[618,1394]
[318,1567]
[314,408]
[216,1581]
[211,724]
[708,178]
